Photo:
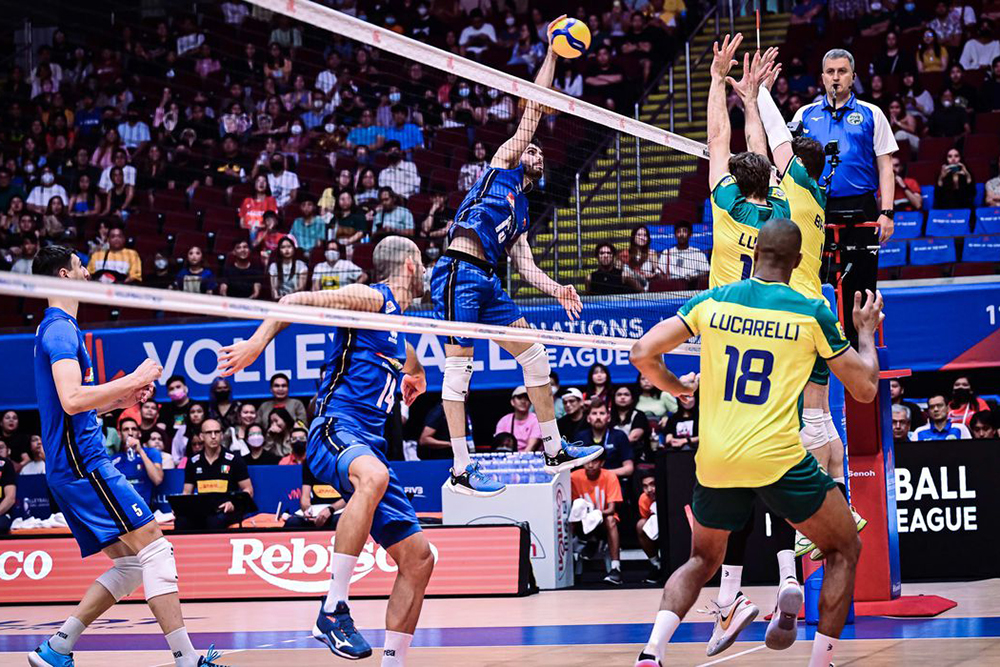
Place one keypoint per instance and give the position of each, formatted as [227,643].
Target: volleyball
[569,38]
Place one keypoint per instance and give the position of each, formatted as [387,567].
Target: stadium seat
[706,215]
[170,200]
[362,255]
[949,222]
[927,194]
[980,169]
[927,252]
[908,224]
[974,269]
[980,199]
[924,172]
[934,149]
[664,284]
[988,220]
[893,253]
[982,145]
[981,249]
[888,274]
[661,237]
[988,123]
[921,272]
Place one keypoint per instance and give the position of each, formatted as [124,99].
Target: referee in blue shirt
[865,144]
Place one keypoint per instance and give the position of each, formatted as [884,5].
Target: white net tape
[392,42]
[127,296]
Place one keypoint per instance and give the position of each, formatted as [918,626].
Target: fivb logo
[283,565]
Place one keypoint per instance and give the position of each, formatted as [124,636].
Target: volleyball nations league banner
[960,328]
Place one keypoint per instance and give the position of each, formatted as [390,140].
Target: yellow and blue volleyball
[569,38]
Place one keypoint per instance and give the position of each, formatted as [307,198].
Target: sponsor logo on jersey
[88,377]
[855,118]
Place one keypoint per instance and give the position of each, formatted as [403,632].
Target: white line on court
[730,657]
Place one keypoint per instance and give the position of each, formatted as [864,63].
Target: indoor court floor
[571,628]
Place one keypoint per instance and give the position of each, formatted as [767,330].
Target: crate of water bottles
[532,496]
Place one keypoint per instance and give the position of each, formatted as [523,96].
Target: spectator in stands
[195,276]
[900,424]
[521,422]
[328,200]
[161,277]
[609,277]
[982,426]
[946,25]
[965,95]
[367,190]
[365,133]
[955,186]
[284,184]
[277,438]
[349,223]
[280,399]
[174,413]
[992,188]
[949,119]
[626,418]
[234,13]
[916,99]
[964,403]
[680,430]
[435,441]
[909,17]
[438,221]
[214,471]
[268,237]
[575,419]
[26,226]
[309,229]
[391,217]
[56,223]
[647,512]
[409,135]
[981,51]
[989,93]
[41,194]
[638,43]
[875,21]
[258,455]
[604,492]
[617,448]
[527,49]
[241,277]
[12,219]
[683,261]
[286,271]
[18,443]
[149,418]
[230,168]
[221,405]
[939,426]
[401,175]
[598,384]
[327,79]
[154,173]
[903,124]
[336,271]
[877,94]
[118,199]
[188,430]
[603,80]
[474,168]
[117,263]
[652,402]
[297,441]
[29,248]
[253,208]
[297,141]
[142,467]
[931,55]
[8,189]
[639,261]
[277,66]
[134,132]
[319,504]
[236,435]
[84,202]
[103,156]
[8,489]
[476,37]
[907,197]
[568,79]
[36,456]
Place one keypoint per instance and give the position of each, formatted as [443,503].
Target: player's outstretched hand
[867,317]
[413,386]
[234,358]
[570,300]
[724,55]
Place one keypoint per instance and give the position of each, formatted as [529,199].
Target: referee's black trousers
[858,256]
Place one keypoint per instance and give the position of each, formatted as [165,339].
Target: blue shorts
[333,444]
[101,507]
[464,292]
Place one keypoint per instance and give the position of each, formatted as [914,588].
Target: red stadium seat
[362,255]
[934,149]
[921,272]
[975,269]
[988,123]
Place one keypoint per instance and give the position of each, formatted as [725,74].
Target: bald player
[759,341]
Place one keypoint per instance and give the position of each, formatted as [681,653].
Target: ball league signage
[480,560]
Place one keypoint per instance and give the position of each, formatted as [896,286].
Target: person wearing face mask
[981,51]
[297,140]
[284,184]
[401,174]
[876,20]
[174,413]
[221,405]
[949,119]
[313,118]
[40,195]
[256,454]
[908,17]
[964,402]
[160,277]
[297,440]
[336,271]
[424,25]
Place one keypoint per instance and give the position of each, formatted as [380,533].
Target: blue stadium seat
[926,252]
[893,253]
[988,220]
[701,236]
[706,215]
[981,249]
[952,222]
[927,193]
[980,195]
[909,224]
[661,237]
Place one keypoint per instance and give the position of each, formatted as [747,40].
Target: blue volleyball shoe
[571,456]
[474,482]
[208,660]
[337,631]
[46,656]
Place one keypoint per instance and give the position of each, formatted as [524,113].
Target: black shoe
[614,577]
[654,576]
[646,660]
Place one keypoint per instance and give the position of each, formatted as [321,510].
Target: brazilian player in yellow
[759,341]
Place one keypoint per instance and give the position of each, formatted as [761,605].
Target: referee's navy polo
[862,133]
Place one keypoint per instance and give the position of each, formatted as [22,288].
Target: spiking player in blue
[104,512]
[465,287]
[364,370]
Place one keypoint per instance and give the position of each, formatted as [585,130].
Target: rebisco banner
[473,560]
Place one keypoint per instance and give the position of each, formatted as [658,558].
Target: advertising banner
[474,560]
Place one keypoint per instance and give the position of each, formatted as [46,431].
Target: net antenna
[431,56]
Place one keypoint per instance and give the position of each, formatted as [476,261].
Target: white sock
[65,637]
[551,439]
[460,450]
[822,653]
[732,576]
[396,646]
[180,646]
[340,581]
[786,565]
[616,565]
[663,629]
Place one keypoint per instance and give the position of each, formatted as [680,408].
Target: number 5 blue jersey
[496,210]
[362,371]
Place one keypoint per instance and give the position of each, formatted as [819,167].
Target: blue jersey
[130,464]
[496,210]
[74,445]
[362,371]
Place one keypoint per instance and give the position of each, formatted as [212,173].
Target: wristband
[889,213]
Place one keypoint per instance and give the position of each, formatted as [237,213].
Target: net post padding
[128,296]
[431,56]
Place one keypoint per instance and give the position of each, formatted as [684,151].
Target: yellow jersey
[759,341]
[735,224]
[807,201]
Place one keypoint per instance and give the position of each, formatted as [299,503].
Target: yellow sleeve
[134,266]
[326,200]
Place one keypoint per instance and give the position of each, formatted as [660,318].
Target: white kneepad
[813,434]
[831,429]
[159,569]
[123,578]
[535,365]
[457,377]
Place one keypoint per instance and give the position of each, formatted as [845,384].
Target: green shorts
[820,372]
[796,496]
